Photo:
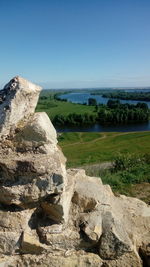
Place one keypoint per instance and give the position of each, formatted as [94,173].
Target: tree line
[112,113]
[143,96]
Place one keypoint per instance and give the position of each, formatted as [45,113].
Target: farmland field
[126,154]
[89,148]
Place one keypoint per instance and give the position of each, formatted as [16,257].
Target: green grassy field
[55,107]
[89,148]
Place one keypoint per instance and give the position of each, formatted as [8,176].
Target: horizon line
[108,87]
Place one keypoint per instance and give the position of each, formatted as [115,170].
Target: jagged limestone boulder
[13,223]
[114,241]
[34,166]
[18,100]
[36,133]
[118,225]
[28,178]
[56,207]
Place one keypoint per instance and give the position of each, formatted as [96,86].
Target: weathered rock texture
[50,216]
[18,100]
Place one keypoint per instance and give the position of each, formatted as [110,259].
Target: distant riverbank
[53,108]
[76,97]
[81,98]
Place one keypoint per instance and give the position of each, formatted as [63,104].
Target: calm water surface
[83,98]
[107,128]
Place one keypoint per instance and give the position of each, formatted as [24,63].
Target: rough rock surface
[50,216]
[18,100]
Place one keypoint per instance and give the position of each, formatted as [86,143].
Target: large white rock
[12,224]
[27,178]
[118,225]
[31,165]
[18,100]
[58,206]
[36,133]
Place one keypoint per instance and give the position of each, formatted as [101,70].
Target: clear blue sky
[76,43]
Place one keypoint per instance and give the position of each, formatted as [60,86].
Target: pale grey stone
[18,100]
[37,132]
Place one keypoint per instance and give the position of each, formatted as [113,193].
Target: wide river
[83,98]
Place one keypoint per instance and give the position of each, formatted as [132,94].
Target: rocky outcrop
[18,100]
[50,216]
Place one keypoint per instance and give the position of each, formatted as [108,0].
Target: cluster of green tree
[144,96]
[47,94]
[45,102]
[43,97]
[92,102]
[57,97]
[75,119]
[59,93]
[118,113]
[114,112]
[117,104]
